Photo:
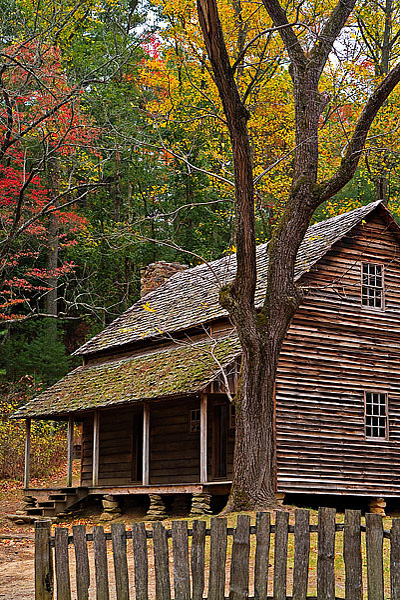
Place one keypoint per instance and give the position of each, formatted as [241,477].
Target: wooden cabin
[152,391]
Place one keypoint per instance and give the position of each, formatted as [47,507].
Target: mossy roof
[191,297]
[182,369]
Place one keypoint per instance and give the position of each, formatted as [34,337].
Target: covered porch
[161,423]
[184,443]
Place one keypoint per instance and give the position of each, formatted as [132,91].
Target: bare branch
[328,188]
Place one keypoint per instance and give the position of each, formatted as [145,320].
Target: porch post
[96,431]
[146,445]
[27,452]
[203,438]
[70,441]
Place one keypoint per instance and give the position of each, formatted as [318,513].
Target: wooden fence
[277,560]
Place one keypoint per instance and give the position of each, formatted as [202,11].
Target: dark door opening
[220,439]
[137,447]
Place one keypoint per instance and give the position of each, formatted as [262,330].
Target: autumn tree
[262,331]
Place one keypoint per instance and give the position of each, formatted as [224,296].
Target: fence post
[44,578]
[352,555]
[374,539]
[395,559]
[280,559]
[326,554]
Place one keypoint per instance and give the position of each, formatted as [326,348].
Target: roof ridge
[190,297]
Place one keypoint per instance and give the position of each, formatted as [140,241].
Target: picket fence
[247,561]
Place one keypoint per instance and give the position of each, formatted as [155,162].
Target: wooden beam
[96,437]
[203,438]
[70,442]
[27,452]
[146,445]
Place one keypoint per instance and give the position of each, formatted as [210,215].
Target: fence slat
[280,562]
[180,549]
[118,537]
[216,586]
[62,563]
[44,586]
[198,558]
[141,561]
[82,562]
[374,540]
[326,554]
[239,580]
[263,521]
[100,563]
[352,554]
[161,562]
[301,553]
[395,559]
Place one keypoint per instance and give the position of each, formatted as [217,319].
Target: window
[372,286]
[232,416]
[194,421]
[376,415]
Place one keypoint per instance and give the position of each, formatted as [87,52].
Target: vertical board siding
[333,352]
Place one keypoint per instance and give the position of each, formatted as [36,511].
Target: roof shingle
[183,369]
[190,298]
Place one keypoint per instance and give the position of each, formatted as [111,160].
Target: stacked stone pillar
[201,505]
[157,510]
[111,508]
[377,506]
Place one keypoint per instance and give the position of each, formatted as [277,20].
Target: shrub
[48,440]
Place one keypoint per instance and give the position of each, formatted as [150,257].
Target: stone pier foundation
[157,510]
[377,506]
[201,505]
[111,508]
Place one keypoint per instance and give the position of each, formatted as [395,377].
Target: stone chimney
[156,274]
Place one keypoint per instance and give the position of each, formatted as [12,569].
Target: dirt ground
[16,555]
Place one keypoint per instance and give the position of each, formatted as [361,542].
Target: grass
[231,521]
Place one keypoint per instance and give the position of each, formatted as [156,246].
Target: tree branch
[328,188]
[331,30]
[289,38]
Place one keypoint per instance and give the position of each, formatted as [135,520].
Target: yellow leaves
[148,308]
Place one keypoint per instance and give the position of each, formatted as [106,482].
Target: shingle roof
[182,369]
[190,298]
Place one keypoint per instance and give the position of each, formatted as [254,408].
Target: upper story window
[376,415]
[372,286]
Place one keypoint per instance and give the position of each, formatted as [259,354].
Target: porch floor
[212,487]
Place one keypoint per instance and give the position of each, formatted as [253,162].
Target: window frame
[371,438]
[383,304]
[192,421]
[232,416]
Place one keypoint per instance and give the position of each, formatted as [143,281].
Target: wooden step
[58,497]
[34,511]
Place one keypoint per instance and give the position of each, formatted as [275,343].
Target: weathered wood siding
[115,447]
[174,451]
[87,451]
[334,351]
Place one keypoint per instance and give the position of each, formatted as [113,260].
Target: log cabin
[152,392]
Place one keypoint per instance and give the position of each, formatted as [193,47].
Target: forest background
[114,153]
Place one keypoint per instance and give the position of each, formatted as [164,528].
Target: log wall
[115,447]
[334,352]
[174,451]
